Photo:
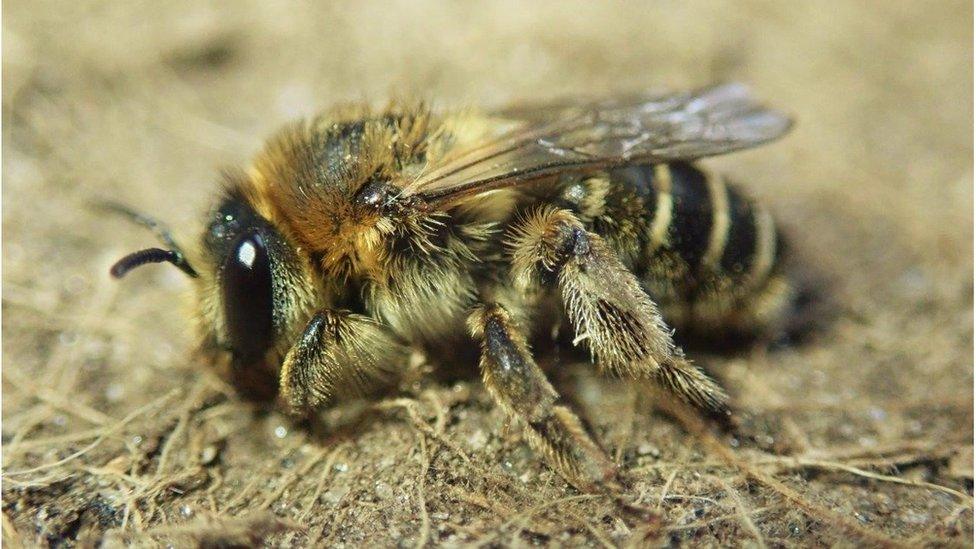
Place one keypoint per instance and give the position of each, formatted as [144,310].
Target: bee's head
[250,287]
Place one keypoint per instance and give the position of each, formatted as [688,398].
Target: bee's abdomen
[697,217]
[700,240]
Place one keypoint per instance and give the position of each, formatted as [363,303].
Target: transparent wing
[554,139]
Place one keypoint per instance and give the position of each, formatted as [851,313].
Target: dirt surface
[111,432]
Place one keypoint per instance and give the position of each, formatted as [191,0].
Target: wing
[555,139]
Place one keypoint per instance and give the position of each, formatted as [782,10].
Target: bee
[358,237]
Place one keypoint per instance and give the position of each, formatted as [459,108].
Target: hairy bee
[357,237]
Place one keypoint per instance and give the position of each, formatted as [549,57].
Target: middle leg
[520,387]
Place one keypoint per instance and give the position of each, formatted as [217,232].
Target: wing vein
[553,139]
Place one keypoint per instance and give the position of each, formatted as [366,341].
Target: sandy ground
[861,436]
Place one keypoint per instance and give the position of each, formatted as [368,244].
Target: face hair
[172,255]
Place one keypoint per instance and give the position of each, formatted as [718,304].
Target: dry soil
[860,435]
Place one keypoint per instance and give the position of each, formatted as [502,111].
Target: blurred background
[111,428]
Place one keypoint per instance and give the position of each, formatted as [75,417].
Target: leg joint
[544,242]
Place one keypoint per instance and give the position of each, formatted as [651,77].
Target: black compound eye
[248,297]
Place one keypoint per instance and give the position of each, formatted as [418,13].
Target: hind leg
[609,310]
[520,387]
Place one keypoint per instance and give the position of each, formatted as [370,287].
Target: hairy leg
[519,386]
[609,310]
[338,353]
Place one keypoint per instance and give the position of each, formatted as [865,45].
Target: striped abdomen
[705,252]
[707,223]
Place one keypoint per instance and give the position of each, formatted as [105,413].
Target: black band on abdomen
[741,242]
[691,222]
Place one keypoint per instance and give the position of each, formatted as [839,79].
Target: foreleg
[338,353]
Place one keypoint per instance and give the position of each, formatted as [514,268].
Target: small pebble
[383,490]
[334,495]
[208,455]
[477,439]
[114,392]
[283,508]
[648,450]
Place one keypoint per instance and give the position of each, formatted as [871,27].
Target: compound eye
[248,297]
